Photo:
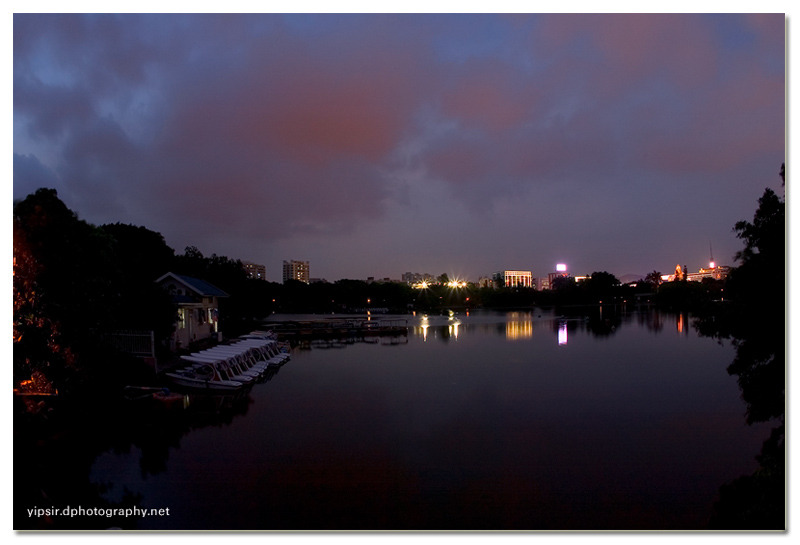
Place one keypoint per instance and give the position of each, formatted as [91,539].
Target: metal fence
[138,343]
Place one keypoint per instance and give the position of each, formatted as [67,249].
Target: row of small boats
[232,366]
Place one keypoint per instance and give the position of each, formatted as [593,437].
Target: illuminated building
[714,272]
[296,270]
[719,272]
[259,272]
[198,308]
[515,279]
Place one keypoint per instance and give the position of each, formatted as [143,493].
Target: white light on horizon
[561,267]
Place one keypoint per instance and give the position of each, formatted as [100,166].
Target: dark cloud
[251,133]
[30,174]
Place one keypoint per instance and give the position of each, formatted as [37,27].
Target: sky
[373,145]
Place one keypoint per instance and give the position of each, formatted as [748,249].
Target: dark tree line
[73,287]
[77,284]
[753,319]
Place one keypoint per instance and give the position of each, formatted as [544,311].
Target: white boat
[201,380]
[223,368]
[264,351]
[243,359]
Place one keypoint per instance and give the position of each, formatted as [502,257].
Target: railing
[138,343]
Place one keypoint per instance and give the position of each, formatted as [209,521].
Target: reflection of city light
[562,334]
[454,330]
[519,330]
[680,323]
[425,332]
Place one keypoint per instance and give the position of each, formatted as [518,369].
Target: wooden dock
[338,328]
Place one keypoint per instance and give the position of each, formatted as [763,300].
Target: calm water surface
[521,420]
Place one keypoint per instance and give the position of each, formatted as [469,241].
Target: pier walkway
[338,328]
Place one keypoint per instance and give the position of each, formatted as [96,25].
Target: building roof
[202,287]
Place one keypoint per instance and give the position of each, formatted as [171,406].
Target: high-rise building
[259,272]
[514,279]
[296,270]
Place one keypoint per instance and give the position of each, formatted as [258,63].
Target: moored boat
[196,378]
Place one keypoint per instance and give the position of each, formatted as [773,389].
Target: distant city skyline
[373,145]
[298,270]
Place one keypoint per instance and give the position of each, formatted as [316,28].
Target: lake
[522,420]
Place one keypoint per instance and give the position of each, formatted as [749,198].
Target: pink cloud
[486,95]
[621,50]
[260,129]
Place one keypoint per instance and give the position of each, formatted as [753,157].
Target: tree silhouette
[653,278]
[755,321]
[64,293]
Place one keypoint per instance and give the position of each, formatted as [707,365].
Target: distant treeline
[75,284]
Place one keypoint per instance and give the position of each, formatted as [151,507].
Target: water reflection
[444,333]
[682,323]
[65,466]
[522,325]
[499,430]
[453,329]
[755,501]
[562,333]
[651,320]
[516,330]
[159,427]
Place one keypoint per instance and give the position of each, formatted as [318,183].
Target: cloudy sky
[372,145]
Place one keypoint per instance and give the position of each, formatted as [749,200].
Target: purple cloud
[241,134]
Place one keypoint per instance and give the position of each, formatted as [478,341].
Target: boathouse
[198,308]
